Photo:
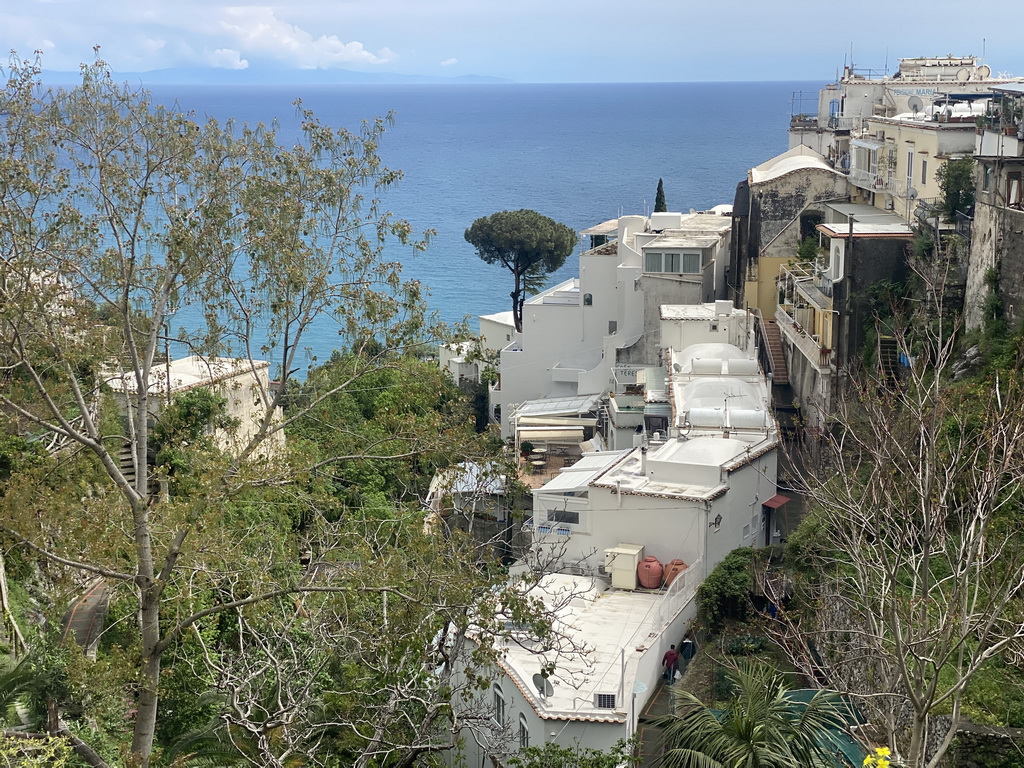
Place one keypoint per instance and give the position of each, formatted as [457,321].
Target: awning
[556,435]
[556,421]
[871,144]
[776,501]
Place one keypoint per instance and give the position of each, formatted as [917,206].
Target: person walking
[670,661]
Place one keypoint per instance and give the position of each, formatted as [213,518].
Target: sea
[579,153]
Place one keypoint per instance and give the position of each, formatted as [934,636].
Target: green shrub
[725,593]
[746,645]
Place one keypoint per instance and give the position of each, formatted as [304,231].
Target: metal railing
[840,123]
[877,182]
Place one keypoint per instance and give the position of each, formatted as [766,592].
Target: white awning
[556,421]
[551,435]
[871,144]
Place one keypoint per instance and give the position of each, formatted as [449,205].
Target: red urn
[649,571]
[673,569]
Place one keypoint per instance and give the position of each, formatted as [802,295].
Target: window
[604,700]
[910,168]
[986,178]
[563,516]
[524,732]
[924,171]
[588,299]
[613,327]
[670,263]
[692,263]
[499,706]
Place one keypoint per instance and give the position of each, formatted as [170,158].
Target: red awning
[776,501]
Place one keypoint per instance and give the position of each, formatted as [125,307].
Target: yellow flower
[882,763]
[883,752]
[868,761]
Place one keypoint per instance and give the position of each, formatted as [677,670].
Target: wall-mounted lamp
[716,523]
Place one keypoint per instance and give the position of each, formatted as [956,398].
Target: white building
[693,490]
[580,335]
[591,691]
[845,106]
[468,360]
[244,384]
[697,486]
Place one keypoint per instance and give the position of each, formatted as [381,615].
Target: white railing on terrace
[679,593]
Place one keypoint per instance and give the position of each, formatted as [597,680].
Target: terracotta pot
[649,572]
[673,569]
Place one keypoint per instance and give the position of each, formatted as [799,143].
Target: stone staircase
[773,343]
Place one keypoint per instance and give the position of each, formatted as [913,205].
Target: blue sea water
[580,153]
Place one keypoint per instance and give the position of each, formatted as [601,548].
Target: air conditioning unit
[621,562]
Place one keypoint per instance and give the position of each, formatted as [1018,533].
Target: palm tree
[764,726]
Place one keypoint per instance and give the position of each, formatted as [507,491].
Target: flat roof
[626,476]
[605,622]
[671,239]
[609,227]
[188,372]
[696,311]
[581,474]
[866,229]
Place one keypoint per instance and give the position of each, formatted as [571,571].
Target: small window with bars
[604,700]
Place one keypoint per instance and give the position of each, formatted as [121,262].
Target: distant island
[264,76]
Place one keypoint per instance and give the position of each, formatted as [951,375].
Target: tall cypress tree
[659,199]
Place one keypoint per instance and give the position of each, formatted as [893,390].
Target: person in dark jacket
[670,661]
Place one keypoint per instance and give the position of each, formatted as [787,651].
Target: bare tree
[115,213]
[918,553]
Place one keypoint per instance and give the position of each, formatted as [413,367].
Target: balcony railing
[839,123]
[963,224]
[818,356]
[877,182]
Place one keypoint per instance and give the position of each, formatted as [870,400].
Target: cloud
[450,62]
[226,58]
[257,31]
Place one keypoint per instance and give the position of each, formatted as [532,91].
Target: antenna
[543,685]
[915,104]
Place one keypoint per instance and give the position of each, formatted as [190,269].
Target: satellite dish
[543,685]
[984,71]
[912,193]
[963,75]
[915,104]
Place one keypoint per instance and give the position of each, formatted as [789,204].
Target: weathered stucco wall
[997,240]
[779,201]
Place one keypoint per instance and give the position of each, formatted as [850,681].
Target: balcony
[821,358]
[840,123]
[877,182]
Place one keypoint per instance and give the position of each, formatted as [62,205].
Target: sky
[520,40]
